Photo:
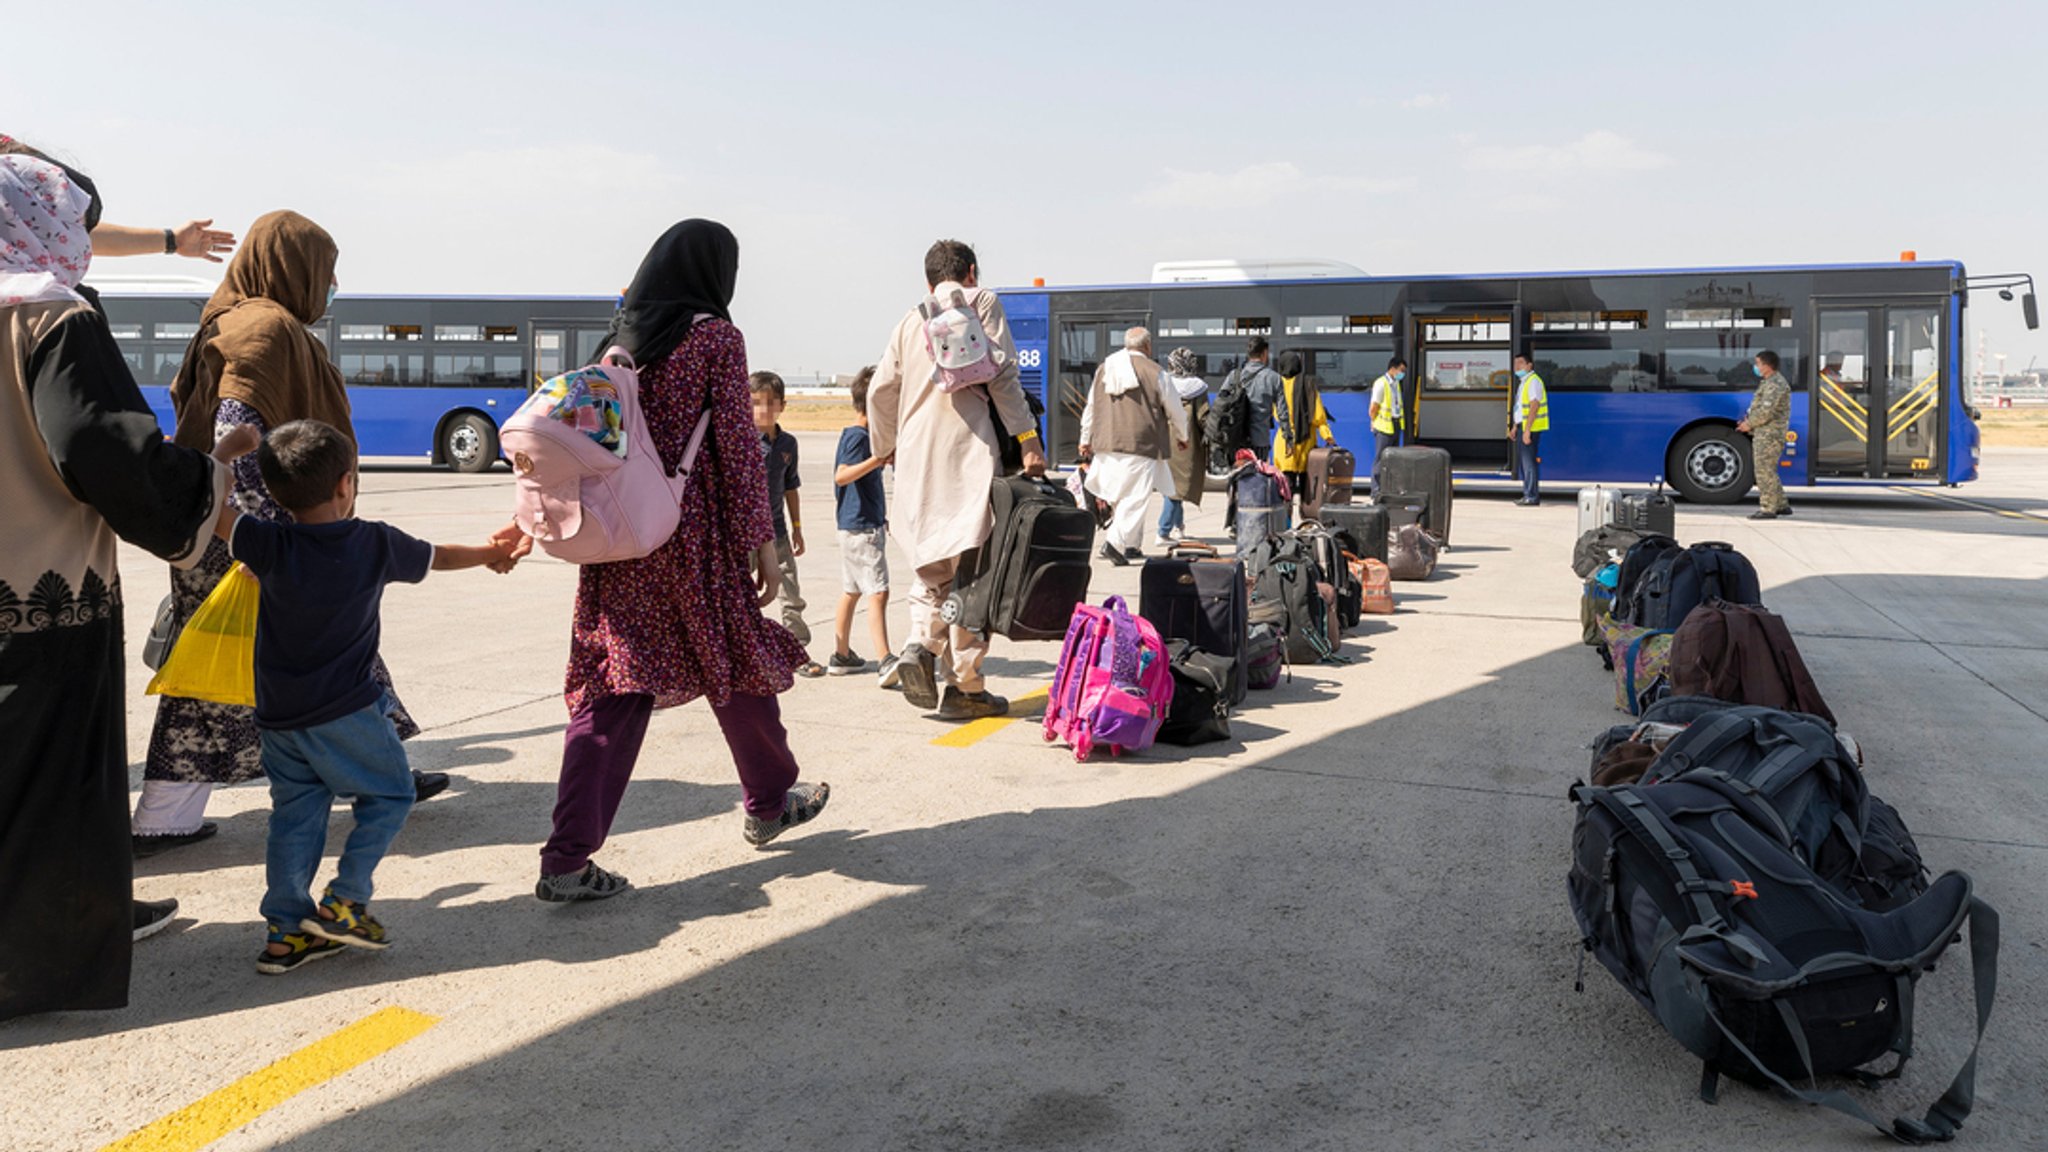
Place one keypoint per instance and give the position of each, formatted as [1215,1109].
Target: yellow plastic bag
[215,656]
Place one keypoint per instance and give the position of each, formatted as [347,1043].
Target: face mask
[1521,373]
[1758,370]
[331,290]
[1398,377]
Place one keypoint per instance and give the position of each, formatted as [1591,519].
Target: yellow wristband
[1030,435]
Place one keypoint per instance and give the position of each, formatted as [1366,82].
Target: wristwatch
[170,242]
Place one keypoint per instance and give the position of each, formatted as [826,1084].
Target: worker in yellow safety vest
[1527,422]
[1385,407]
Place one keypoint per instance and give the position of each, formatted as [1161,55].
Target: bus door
[562,345]
[1464,383]
[1083,343]
[1877,398]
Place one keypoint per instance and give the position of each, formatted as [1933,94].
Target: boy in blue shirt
[784,505]
[320,711]
[863,540]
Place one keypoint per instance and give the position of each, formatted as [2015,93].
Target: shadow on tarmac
[1362,942]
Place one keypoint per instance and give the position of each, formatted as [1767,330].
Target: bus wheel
[1710,465]
[469,443]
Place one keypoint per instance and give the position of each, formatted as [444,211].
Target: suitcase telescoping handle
[1192,550]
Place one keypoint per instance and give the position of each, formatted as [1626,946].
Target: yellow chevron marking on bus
[1972,505]
[213,1116]
[975,731]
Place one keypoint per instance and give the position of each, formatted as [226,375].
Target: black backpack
[1795,774]
[1680,580]
[1228,427]
[1709,917]
[1200,710]
[1636,563]
[1284,595]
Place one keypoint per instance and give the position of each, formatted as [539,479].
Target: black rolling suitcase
[1647,512]
[1024,582]
[1193,594]
[1425,471]
[1361,529]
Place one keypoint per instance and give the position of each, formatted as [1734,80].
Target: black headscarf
[689,271]
[1298,395]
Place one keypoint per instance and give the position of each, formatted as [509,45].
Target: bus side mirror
[2031,311]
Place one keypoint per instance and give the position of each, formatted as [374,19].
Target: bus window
[1623,369]
[1720,361]
[547,353]
[1351,370]
[590,344]
[1466,369]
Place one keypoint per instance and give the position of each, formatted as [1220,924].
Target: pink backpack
[961,351]
[1113,682]
[591,488]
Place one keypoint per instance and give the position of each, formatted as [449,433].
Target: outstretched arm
[198,239]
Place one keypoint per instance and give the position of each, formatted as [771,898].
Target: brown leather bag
[1624,763]
[1743,654]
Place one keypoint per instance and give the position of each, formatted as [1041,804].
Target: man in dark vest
[1130,427]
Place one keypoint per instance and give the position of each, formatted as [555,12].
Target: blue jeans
[357,755]
[1531,468]
[1171,516]
[1381,441]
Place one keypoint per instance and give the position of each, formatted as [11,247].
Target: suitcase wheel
[952,609]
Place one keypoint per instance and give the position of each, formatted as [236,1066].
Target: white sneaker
[1164,542]
[889,677]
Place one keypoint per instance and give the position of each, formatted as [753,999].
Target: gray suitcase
[1426,471]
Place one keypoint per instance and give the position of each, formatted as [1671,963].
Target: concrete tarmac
[1346,929]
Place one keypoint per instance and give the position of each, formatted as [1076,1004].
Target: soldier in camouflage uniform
[1769,424]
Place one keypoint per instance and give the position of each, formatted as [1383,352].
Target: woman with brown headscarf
[252,362]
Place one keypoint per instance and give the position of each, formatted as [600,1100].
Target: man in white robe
[1125,427]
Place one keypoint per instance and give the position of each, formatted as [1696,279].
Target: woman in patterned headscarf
[82,461]
[1189,462]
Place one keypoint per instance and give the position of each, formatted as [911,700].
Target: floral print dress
[683,621]
[196,741]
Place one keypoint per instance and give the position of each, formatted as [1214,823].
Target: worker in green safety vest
[1527,421]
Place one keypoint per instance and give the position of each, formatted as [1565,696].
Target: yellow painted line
[975,731]
[1958,501]
[211,1117]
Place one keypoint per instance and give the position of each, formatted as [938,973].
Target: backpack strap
[1944,1118]
[1123,651]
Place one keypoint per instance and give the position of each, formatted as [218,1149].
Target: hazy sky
[521,147]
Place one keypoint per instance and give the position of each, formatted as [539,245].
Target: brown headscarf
[253,345]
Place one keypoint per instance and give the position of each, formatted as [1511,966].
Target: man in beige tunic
[947,453]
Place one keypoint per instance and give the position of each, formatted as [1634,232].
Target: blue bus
[1648,371]
[430,377]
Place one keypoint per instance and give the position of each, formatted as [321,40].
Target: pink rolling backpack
[1113,682]
[591,488]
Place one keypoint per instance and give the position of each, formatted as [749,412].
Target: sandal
[810,669]
[803,802]
[593,883]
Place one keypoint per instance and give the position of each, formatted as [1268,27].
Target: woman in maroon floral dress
[684,621]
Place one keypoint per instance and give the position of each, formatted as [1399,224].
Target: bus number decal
[1029,357]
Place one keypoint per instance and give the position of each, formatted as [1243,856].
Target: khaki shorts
[864,562]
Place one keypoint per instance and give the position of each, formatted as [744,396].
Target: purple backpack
[1113,682]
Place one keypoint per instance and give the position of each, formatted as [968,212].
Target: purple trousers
[603,742]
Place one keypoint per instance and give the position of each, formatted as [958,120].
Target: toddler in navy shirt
[320,710]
